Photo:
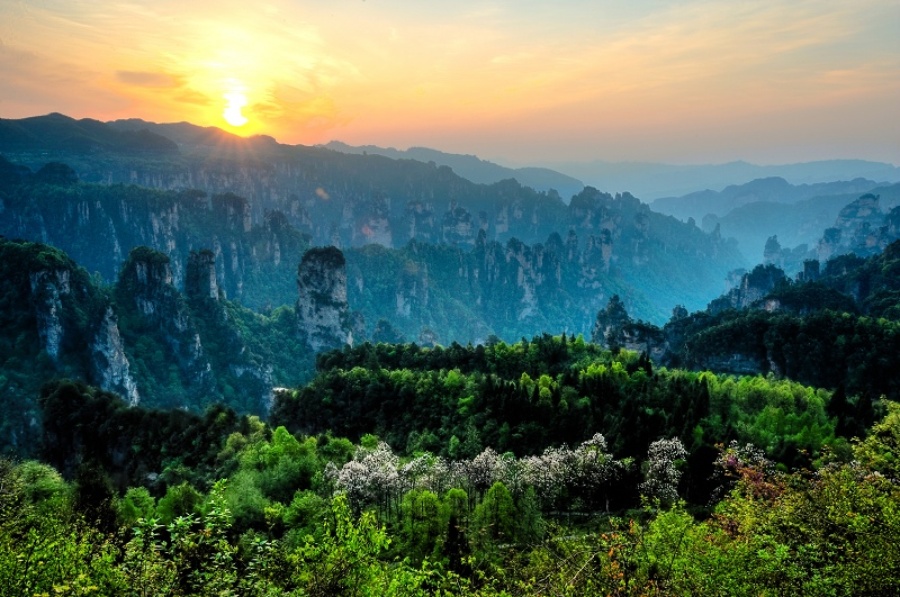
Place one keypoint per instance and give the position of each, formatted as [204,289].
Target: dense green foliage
[182,351]
[524,397]
[838,330]
[263,512]
[31,276]
[134,446]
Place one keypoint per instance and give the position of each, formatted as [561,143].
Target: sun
[235,100]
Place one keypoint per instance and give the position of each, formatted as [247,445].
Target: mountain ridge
[474,168]
[652,181]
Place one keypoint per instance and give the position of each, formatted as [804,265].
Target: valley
[229,364]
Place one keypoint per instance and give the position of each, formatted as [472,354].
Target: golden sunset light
[235,101]
[472,298]
[503,80]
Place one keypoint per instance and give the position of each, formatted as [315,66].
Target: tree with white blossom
[371,478]
[482,470]
[663,473]
[595,469]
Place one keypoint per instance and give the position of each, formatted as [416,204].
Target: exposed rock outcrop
[111,369]
[458,227]
[200,279]
[861,228]
[412,290]
[323,316]
[47,288]
[373,224]
[146,281]
[258,218]
[754,286]
[614,329]
[772,252]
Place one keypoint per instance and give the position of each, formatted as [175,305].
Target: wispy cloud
[523,71]
[148,79]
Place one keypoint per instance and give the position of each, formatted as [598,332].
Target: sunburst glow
[235,101]
[688,81]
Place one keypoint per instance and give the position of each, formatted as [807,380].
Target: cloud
[148,79]
[513,73]
[309,117]
[189,96]
[37,84]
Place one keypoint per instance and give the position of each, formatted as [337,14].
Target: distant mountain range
[474,168]
[351,197]
[770,190]
[425,247]
[645,180]
[795,224]
[59,133]
[753,212]
[651,181]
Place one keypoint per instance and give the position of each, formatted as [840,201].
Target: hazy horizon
[682,83]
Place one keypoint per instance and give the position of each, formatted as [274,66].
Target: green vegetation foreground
[832,531]
[174,503]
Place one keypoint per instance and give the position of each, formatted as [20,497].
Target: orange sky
[676,81]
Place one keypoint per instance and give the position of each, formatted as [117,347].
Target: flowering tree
[595,468]
[747,466]
[662,474]
[426,471]
[482,470]
[562,473]
[371,477]
[551,473]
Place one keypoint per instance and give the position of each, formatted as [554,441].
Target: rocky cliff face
[323,317]
[198,347]
[147,282]
[200,279]
[607,329]
[412,290]
[99,225]
[458,227]
[54,323]
[614,329]
[110,367]
[536,270]
[145,341]
[47,289]
[353,200]
[737,363]
[754,286]
[861,228]
[492,276]
[772,254]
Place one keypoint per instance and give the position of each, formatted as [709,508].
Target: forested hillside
[834,326]
[275,370]
[549,465]
[467,280]
[141,338]
[162,503]
[525,397]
